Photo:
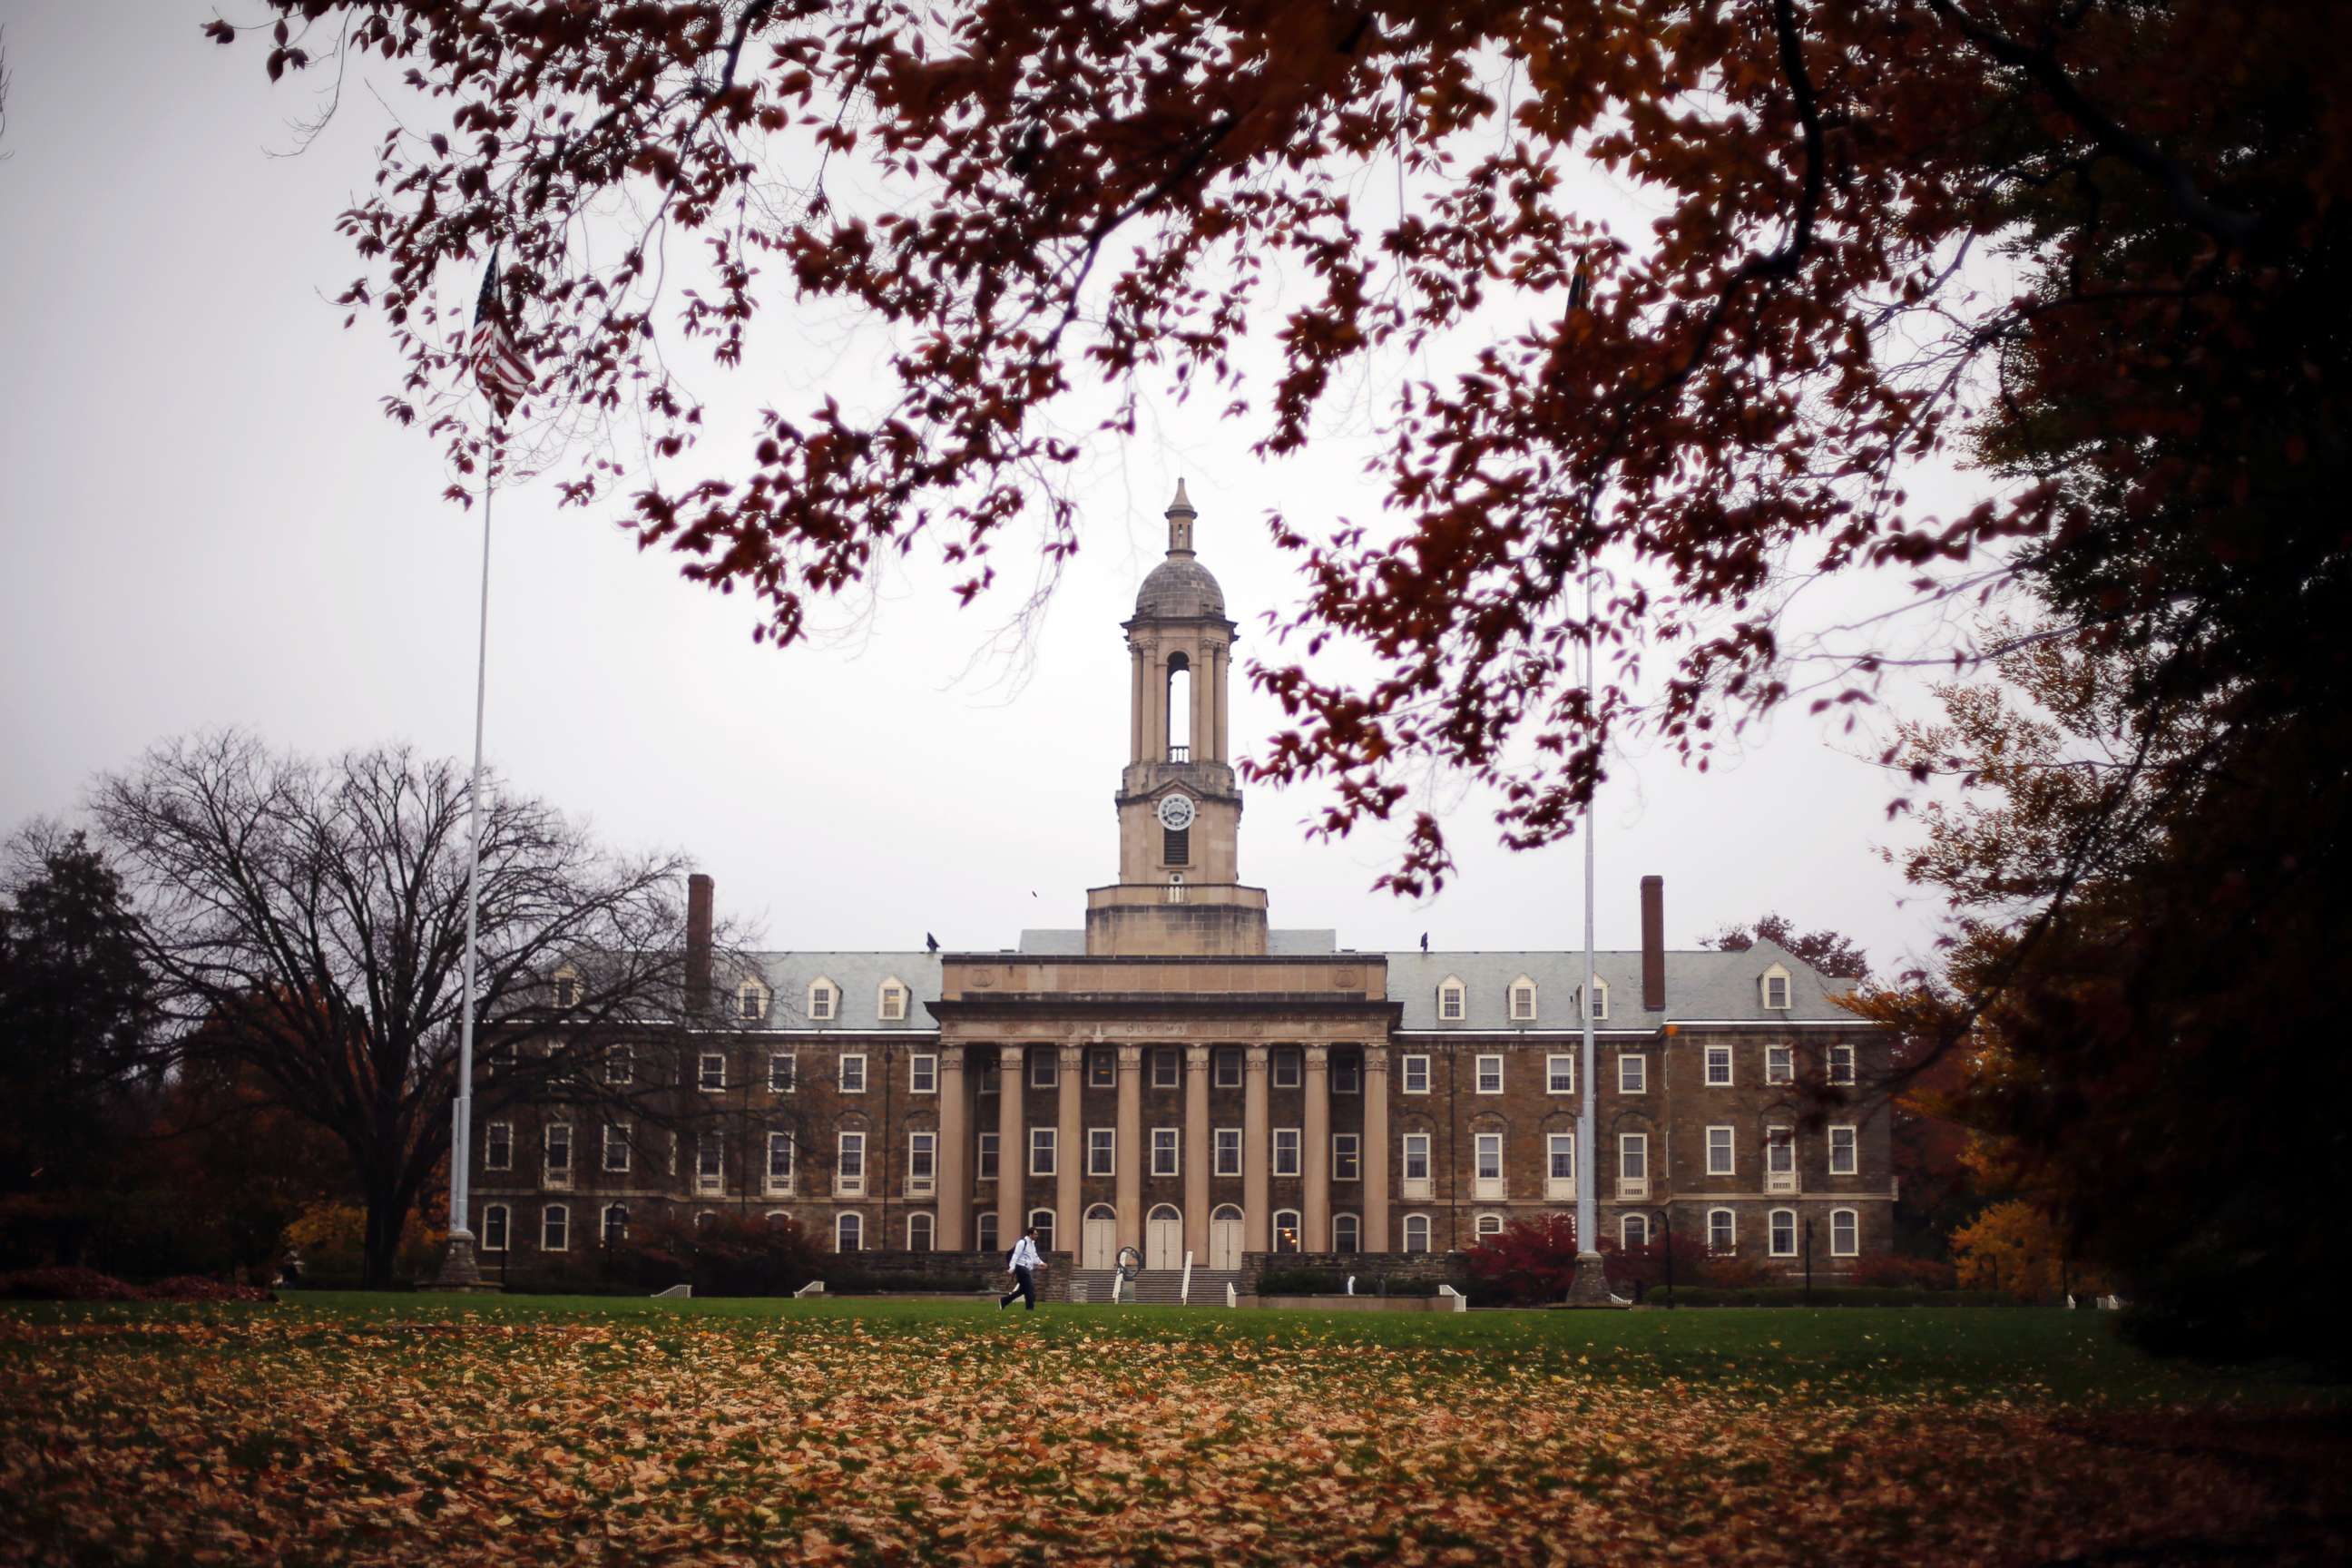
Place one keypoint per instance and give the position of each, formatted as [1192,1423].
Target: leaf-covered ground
[408,1430]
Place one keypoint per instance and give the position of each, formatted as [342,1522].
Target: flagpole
[1587,1233]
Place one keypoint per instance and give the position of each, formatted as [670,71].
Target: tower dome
[1180,586]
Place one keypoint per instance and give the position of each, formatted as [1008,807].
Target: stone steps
[1155,1287]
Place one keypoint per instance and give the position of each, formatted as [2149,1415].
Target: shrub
[195,1288]
[1905,1273]
[1823,1296]
[1302,1282]
[65,1284]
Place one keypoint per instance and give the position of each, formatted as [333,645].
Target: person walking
[1024,1263]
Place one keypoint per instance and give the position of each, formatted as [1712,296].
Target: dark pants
[1025,1286]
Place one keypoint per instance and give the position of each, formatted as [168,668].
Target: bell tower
[1180,810]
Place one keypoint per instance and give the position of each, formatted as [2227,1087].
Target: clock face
[1176,812]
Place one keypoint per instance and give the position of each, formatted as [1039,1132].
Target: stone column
[1069,1157]
[955,1153]
[1376,1149]
[1130,1152]
[1012,1149]
[1314,1159]
[1258,1223]
[1196,1152]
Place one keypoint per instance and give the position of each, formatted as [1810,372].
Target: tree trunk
[387,1214]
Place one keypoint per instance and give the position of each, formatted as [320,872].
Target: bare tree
[307,919]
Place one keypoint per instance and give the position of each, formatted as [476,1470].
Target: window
[1285,1151]
[1416,1233]
[1634,1232]
[1347,1233]
[617,1224]
[712,1073]
[1842,1063]
[849,1166]
[1843,1153]
[1176,846]
[853,1073]
[1286,1230]
[556,1228]
[1416,1074]
[1163,1069]
[780,1163]
[1417,1184]
[1102,1070]
[750,1000]
[1776,988]
[891,1004]
[1490,1075]
[1042,1222]
[621,1065]
[1227,1143]
[824,1000]
[497,1146]
[984,1076]
[617,1146]
[1347,1157]
[1523,1000]
[1450,1001]
[923,1075]
[1633,1165]
[1346,1073]
[494,1227]
[919,1233]
[567,988]
[1719,1065]
[1783,1228]
[983,1231]
[1285,1067]
[1718,1151]
[1488,1224]
[1041,1150]
[849,1233]
[1722,1232]
[1633,1074]
[1560,1169]
[1780,1064]
[1227,1065]
[782,1073]
[1164,1151]
[1102,1151]
[710,1164]
[922,1163]
[1845,1234]
[1599,999]
[557,1138]
[1041,1068]
[1487,1153]
[1779,1160]
[1560,1073]
[984,1164]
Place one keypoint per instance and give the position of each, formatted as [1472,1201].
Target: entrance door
[1163,1239]
[1098,1243]
[1225,1238]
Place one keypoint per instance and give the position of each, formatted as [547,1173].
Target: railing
[1180,754]
[1232,1296]
[1184,1291]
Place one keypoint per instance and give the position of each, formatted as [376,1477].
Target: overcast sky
[209,522]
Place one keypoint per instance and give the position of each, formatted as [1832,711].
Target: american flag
[499,366]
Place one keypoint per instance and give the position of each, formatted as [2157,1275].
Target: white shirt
[1026,1255]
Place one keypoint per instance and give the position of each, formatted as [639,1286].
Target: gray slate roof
[1305,942]
[1180,586]
[859,976]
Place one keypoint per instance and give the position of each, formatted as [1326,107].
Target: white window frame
[1480,1069]
[1044,1151]
[621,1065]
[922,1163]
[554,1172]
[1557,1186]
[1346,1073]
[1452,1001]
[1845,1138]
[1633,1149]
[1409,1067]
[1043,1222]
[1626,1225]
[1780,1149]
[1775,976]
[1347,1157]
[1560,1073]
[1640,1063]
[1426,1184]
[750,1000]
[605,1236]
[986,1075]
[1729,1246]
[1102,1151]
[1347,1233]
[843,1224]
[1427,1236]
[1102,1068]
[987,1158]
[824,1000]
[713,1180]
[561,1214]
[848,1182]
[1523,1000]
[1852,1219]
[1482,1185]
[1841,1066]
[1289,1151]
[1223,1142]
[1487,1224]
[1723,1140]
[1781,1064]
[776,1183]
[1042,1066]
[1168,1141]
[501,1238]
[1286,1066]
[922,1073]
[890,1000]
[1225,1068]
[1719,1067]
[789,1079]
[494,1156]
[1599,999]
[707,1079]
[1772,1219]
[929,1231]
[612,1145]
[1167,1057]
[843,1073]
[1296,1227]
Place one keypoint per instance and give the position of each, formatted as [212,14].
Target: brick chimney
[1654,944]
[699,896]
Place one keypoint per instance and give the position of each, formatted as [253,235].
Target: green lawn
[336,1428]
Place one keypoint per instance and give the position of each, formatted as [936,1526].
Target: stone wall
[1370,1269]
[946,1271]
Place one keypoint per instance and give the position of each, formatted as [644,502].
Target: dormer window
[1452,1001]
[824,1000]
[1775,986]
[1523,1000]
[890,1006]
[566,987]
[1599,998]
[750,1000]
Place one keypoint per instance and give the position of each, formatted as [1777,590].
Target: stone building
[1181,1077]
